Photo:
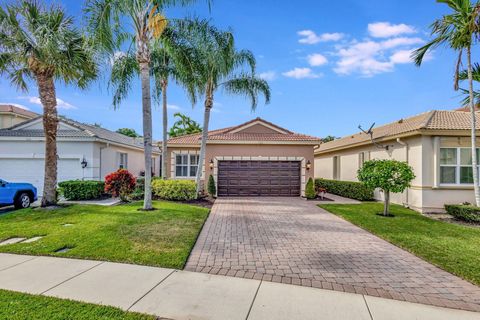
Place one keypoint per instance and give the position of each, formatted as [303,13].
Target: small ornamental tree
[388,175]
[310,189]
[211,188]
[120,183]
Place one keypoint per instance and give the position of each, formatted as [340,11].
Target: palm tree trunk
[165,128]
[206,121]
[473,135]
[386,203]
[147,132]
[46,91]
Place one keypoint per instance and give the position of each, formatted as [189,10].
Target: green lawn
[163,237]
[20,306]
[452,247]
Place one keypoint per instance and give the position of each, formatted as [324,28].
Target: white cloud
[61,104]
[301,73]
[21,106]
[386,29]
[401,41]
[402,56]
[268,75]
[317,59]
[310,37]
[173,107]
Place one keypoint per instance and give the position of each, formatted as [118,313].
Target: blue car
[21,195]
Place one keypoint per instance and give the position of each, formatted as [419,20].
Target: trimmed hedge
[176,190]
[347,189]
[464,212]
[81,190]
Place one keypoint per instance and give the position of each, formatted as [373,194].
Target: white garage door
[32,171]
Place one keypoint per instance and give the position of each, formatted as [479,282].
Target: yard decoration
[388,175]
[310,190]
[120,184]
[211,188]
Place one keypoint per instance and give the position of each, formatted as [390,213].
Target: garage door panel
[259,178]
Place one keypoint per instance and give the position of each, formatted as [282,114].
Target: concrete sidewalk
[178,295]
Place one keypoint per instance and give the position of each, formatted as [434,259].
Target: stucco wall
[8,120]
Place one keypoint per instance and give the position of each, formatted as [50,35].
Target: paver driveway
[290,240]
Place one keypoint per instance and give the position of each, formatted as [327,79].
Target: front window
[122,160]
[186,165]
[456,165]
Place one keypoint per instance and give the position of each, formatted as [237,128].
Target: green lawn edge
[451,247]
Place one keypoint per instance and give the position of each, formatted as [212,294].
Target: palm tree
[459,31]
[40,43]
[463,75]
[219,65]
[184,125]
[171,60]
[137,22]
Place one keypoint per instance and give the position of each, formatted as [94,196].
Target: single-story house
[435,143]
[12,115]
[255,158]
[84,152]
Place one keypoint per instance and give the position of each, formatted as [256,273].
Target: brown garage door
[259,178]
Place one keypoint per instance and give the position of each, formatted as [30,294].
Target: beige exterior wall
[247,152]
[426,193]
[8,119]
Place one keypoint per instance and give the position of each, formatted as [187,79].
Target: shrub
[310,192]
[464,212]
[347,189]
[177,190]
[139,191]
[120,184]
[212,189]
[81,190]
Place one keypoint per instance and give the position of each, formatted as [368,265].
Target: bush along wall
[176,190]
[81,190]
[464,212]
[347,189]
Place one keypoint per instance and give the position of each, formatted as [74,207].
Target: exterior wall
[426,194]
[7,120]
[303,153]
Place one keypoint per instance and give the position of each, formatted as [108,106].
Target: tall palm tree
[184,125]
[458,31]
[137,23]
[171,60]
[41,43]
[219,65]
[463,75]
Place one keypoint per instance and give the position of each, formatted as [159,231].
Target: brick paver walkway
[290,240]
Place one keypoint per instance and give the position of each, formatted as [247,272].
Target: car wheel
[22,201]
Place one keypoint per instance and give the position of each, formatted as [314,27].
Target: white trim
[258,122]
[173,155]
[303,169]
[38,156]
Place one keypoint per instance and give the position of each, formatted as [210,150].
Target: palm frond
[248,86]
[463,75]
[124,69]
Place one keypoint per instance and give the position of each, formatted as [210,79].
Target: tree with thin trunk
[463,75]
[42,44]
[171,60]
[458,31]
[137,23]
[184,125]
[219,65]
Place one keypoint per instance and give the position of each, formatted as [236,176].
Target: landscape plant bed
[121,233]
[451,247]
[15,305]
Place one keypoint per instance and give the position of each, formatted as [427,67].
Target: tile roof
[226,134]
[431,120]
[14,109]
[84,131]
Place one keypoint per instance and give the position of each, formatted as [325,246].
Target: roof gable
[37,124]
[258,125]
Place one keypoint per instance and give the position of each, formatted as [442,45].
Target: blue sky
[332,65]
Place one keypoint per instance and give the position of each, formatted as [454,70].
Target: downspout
[100,158]
[403,143]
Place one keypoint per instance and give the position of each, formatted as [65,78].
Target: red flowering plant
[120,183]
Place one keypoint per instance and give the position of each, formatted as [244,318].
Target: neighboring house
[436,144]
[11,115]
[256,158]
[84,152]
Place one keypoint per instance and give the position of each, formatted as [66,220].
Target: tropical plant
[328,139]
[219,65]
[212,188]
[139,22]
[459,31]
[463,75]
[184,125]
[388,175]
[310,192]
[175,190]
[128,132]
[120,183]
[42,44]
